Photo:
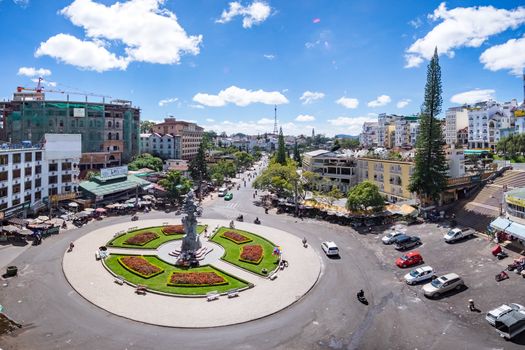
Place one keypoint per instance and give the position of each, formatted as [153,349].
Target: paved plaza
[90,279]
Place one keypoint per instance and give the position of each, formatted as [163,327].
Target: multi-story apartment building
[456,161]
[32,173]
[487,120]
[456,119]
[369,136]
[406,131]
[110,131]
[462,138]
[190,135]
[164,146]
[384,121]
[338,169]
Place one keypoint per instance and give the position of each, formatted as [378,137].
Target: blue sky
[330,65]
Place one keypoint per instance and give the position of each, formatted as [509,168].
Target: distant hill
[344,136]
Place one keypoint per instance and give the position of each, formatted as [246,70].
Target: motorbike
[501,255]
[501,276]
[134,218]
[257,221]
[240,218]
[361,297]
[71,246]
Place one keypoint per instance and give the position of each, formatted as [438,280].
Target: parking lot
[470,258]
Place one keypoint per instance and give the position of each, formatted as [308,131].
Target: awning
[509,227]
[100,210]
[73,205]
[11,229]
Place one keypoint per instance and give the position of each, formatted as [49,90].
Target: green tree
[364,196]
[281,149]
[310,180]
[296,154]
[430,174]
[349,143]
[336,145]
[222,170]
[198,167]
[91,174]
[146,126]
[146,160]
[176,185]
[279,179]
[334,194]
[243,159]
[208,138]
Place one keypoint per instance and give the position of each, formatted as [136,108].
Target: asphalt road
[328,317]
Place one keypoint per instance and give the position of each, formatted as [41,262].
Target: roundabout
[172,300]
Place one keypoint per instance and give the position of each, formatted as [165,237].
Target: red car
[409,259]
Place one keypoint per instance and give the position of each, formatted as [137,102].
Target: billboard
[116,171]
[79,112]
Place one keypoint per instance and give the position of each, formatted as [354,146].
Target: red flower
[252,253]
[140,265]
[196,278]
[173,229]
[142,238]
[236,237]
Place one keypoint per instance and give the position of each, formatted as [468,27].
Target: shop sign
[116,171]
[63,196]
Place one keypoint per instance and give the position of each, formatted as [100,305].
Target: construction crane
[40,89]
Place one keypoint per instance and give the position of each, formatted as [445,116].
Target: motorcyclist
[360,294]
[257,221]
[71,246]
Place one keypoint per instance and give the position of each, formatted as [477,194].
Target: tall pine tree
[296,154]
[281,150]
[430,174]
[198,167]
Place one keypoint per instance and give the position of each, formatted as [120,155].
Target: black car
[406,242]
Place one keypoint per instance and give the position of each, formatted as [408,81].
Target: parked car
[456,234]
[406,242]
[409,259]
[511,324]
[493,315]
[222,191]
[442,285]
[391,237]
[330,248]
[228,196]
[420,274]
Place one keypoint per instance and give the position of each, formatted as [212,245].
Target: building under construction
[110,131]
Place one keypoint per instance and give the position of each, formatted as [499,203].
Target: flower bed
[252,253]
[236,237]
[139,266]
[173,230]
[196,279]
[141,238]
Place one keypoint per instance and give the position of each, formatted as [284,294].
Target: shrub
[142,238]
[252,253]
[196,279]
[173,230]
[236,237]
[139,266]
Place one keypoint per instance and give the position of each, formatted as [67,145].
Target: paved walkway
[89,278]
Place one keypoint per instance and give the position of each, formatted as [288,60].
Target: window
[28,157]
[53,179]
[3,192]
[38,182]
[61,123]
[117,136]
[66,166]
[28,171]
[110,136]
[53,167]
[117,124]
[109,124]
[38,195]
[3,176]
[16,158]
[81,124]
[16,202]
[38,169]
[27,185]
[16,189]
[4,159]
[66,178]
[16,173]
[53,191]
[27,198]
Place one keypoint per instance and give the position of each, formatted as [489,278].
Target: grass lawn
[516,159]
[160,282]
[233,251]
[118,242]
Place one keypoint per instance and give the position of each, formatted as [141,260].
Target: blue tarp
[509,227]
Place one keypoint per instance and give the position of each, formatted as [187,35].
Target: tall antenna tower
[275,131]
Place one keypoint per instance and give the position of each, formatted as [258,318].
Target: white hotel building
[30,174]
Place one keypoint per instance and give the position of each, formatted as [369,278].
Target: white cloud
[403,103]
[380,101]
[304,118]
[209,120]
[148,32]
[255,13]
[167,100]
[473,96]
[462,27]
[351,125]
[309,97]
[265,121]
[44,82]
[33,72]
[269,56]
[510,55]
[416,23]
[347,102]
[197,106]
[240,97]
[83,54]
[22,3]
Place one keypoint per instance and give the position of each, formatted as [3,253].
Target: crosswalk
[233,205]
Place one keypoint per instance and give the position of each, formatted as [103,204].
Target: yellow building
[391,176]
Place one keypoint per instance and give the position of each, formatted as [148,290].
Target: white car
[391,237]
[330,248]
[456,234]
[420,274]
[493,315]
[222,191]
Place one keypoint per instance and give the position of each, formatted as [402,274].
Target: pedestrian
[471,305]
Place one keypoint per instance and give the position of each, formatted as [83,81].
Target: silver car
[442,285]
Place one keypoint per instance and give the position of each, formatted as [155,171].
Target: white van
[223,191]
[511,324]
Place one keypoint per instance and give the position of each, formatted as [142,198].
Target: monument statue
[190,242]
